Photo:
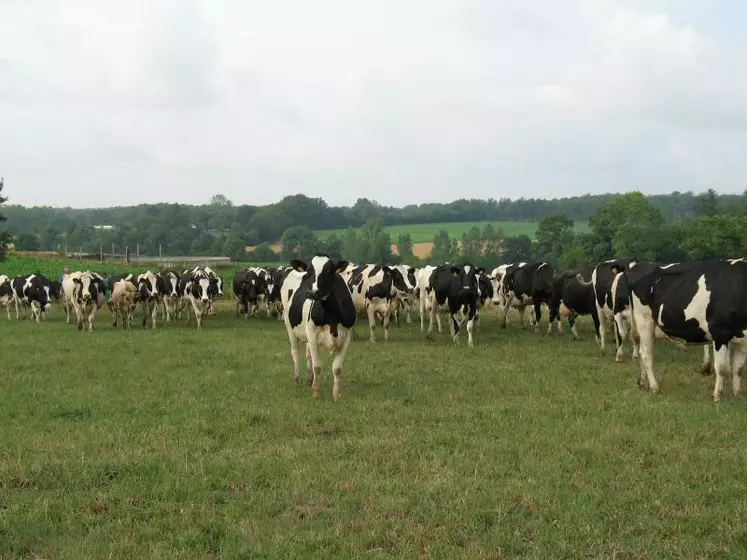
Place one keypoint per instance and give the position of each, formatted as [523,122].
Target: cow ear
[455,270]
[410,270]
[386,269]
[76,280]
[341,265]
[480,270]
[300,266]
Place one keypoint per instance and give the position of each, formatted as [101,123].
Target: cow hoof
[705,371]
[716,398]
[618,359]
[315,392]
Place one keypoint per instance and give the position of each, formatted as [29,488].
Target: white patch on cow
[540,266]
[317,264]
[670,265]
[467,268]
[697,307]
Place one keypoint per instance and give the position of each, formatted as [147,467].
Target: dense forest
[667,227]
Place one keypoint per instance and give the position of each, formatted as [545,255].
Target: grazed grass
[178,444]
[424,233]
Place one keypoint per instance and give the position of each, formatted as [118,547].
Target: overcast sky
[401,101]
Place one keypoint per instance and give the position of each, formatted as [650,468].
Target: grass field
[423,233]
[182,444]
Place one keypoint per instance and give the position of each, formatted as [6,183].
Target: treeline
[625,226]
[221,227]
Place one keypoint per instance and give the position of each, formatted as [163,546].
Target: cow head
[403,278]
[6,291]
[85,290]
[200,287]
[484,285]
[323,274]
[467,275]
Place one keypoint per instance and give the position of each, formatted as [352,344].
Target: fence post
[127,254]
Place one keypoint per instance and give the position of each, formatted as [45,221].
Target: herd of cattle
[698,303]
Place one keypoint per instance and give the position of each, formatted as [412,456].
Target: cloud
[174,101]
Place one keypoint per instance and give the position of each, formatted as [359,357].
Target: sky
[399,101]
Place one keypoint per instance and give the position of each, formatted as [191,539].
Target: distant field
[423,233]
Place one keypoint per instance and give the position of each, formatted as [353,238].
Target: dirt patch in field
[420,250]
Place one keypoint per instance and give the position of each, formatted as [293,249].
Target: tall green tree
[554,236]
[298,242]
[404,248]
[493,247]
[375,244]
[517,249]
[4,235]
[472,243]
[443,248]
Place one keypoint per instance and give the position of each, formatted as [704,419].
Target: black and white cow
[83,292]
[523,305]
[198,289]
[216,288]
[149,297]
[612,302]
[6,293]
[248,287]
[529,281]
[694,303]
[570,298]
[422,280]
[167,283]
[406,285]
[454,288]
[373,291]
[274,301]
[318,310]
[32,291]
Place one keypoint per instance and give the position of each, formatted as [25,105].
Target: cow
[455,289]
[570,298]
[167,285]
[523,305]
[123,302]
[32,291]
[373,292]
[693,303]
[274,301]
[406,286]
[422,280]
[248,286]
[148,297]
[6,293]
[528,281]
[216,288]
[612,303]
[198,289]
[82,291]
[318,310]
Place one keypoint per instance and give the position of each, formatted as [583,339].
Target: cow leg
[422,313]
[618,327]
[471,322]
[572,325]
[454,325]
[602,328]
[645,326]
[316,364]
[90,318]
[337,368]
[153,315]
[738,358]
[309,366]
[506,307]
[705,367]
[537,315]
[385,319]
[722,365]
[371,312]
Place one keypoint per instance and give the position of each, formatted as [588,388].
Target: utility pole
[101,252]
[137,248]
[159,251]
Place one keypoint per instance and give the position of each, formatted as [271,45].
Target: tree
[27,242]
[554,236]
[472,242]
[375,244]
[351,249]
[263,253]
[332,247]
[517,249]
[443,248]
[493,247]
[708,203]
[404,248]
[4,235]
[202,245]
[298,242]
